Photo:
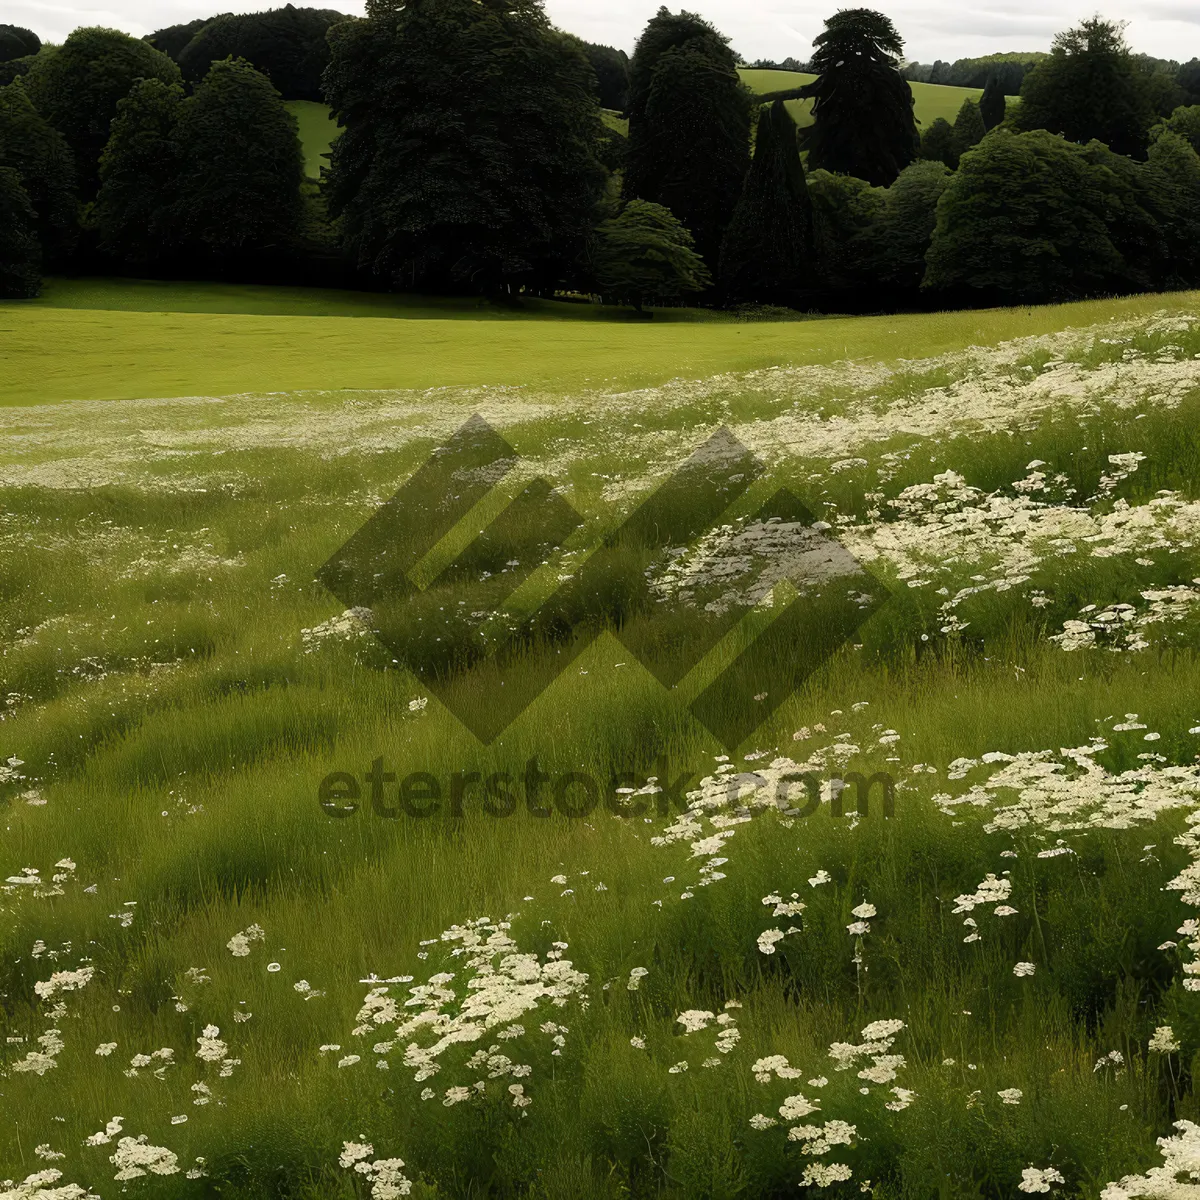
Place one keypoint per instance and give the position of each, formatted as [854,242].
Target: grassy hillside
[932,100]
[214,985]
[317,131]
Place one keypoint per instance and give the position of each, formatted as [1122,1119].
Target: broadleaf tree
[467,159]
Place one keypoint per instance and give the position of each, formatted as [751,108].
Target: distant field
[127,339]
[317,131]
[933,100]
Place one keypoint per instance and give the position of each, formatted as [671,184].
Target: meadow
[220,974]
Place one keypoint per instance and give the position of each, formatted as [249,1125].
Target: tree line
[475,155]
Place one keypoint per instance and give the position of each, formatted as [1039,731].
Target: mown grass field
[214,985]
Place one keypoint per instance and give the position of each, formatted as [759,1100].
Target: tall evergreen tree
[45,166]
[1089,87]
[993,102]
[20,254]
[241,165]
[692,148]
[78,87]
[139,174]
[968,128]
[468,153]
[863,122]
[665,32]
[768,249]
[17,42]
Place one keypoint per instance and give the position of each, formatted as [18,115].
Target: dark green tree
[17,42]
[644,255]
[968,128]
[894,245]
[15,68]
[20,254]
[993,102]
[844,210]
[45,167]
[288,45]
[139,171]
[1024,220]
[937,143]
[1188,78]
[468,153]
[767,254]
[173,38]
[1089,88]
[241,166]
[694,144]
[612,75]
[1185,121]
[1171,189]
[863,122]
[689,126]
[78,87]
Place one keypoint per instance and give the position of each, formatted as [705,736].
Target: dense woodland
[475,155]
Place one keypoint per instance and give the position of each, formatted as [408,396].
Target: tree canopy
[20,255]
[468,153]
[78,87]
[287,44]
[139,175]
[1089,87]
[1024,219]
[644,255]
[992,103]
[240,163]
[863,121]
[612,75]
[17,42]
[45,168]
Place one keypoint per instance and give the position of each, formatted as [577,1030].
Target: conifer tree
[767,252]
[993,102]
[937,143]
[863,122]
[968,128]
[689,126]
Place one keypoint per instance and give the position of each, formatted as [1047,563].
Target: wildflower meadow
[277,923]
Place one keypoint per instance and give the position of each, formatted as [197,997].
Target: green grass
[175,684]
[317,131]
[932,100]
[93,340]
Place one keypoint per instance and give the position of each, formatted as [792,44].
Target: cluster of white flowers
[500,985]
[346,626]
[136,1157]
[30,882]
[39,1186]
[386,1175]
[210,1048]
[1039,1179]
[1176,1179]
[239,944]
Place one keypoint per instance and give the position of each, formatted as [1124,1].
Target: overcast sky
[774,29]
